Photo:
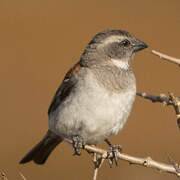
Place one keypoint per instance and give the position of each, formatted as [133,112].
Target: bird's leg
[77,144]
[113,150]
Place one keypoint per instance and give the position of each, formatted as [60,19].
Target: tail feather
[42,150]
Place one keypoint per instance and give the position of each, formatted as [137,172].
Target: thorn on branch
[146,162]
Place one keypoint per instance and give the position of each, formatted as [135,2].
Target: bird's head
[115,47]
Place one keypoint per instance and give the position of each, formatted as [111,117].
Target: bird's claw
[113,149]
[77,144]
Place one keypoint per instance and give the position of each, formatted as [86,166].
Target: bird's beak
[139,45]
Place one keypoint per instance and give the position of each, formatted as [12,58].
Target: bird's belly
[93,114]
[107,117]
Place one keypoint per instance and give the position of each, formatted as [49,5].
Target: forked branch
[166,100]
[145,162]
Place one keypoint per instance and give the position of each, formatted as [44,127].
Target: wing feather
[65,88]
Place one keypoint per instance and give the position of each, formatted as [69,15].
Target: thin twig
[22,176]
[95,168]
[3,175]
[95,173]
[167,100]
[98,161]
[175,165]
[166,57]
[162,98]
[145,162]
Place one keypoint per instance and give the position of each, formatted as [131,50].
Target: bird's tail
[42,150]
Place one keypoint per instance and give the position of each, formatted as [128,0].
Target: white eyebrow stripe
[111,39]
[120,64]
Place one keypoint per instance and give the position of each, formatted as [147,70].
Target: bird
[95,99]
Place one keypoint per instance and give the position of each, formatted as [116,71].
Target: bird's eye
[125,43]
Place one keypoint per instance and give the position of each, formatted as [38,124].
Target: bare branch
[145,162]
[175,165]
[167,100]
[22,176]
[162,98]
[166,57]
[98,161]
[95,173]
[3,175]
[95,167]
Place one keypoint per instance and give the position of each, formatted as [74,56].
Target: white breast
[93,112]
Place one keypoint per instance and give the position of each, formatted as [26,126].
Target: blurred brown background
[41,39]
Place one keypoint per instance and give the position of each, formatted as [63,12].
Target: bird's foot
[77,144]
[112,153]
